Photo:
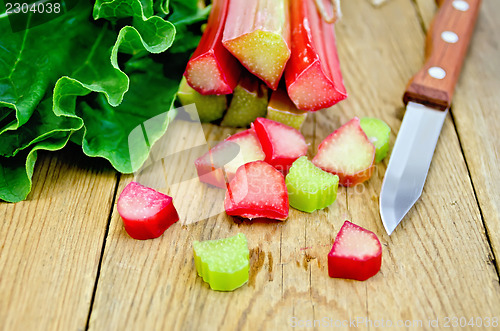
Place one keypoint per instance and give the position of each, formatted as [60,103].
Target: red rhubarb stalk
[313,77]
[221,162]
[257,33]
[212,69]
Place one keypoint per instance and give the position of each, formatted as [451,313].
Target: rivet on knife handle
[446,47]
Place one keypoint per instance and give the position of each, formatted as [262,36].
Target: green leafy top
[90,80]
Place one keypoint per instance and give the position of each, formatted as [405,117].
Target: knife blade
[428,98]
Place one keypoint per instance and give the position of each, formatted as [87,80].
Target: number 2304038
[37,7]
[470,322]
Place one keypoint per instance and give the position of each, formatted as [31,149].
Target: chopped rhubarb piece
[221,162]
[282,109]
[146,213]
[212,69]
[309,187]
[348,153]
[313,77]
[281,143]
[257,190]
[249,102]
[209,107]
[379,133]
[356,253]
[257,33]
[223,263]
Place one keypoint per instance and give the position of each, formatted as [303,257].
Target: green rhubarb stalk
[310,188]
[282,109]
[209,107]
[249,102]
[223,263]
[313,77]
[257,33]
[212,69]
[379,133]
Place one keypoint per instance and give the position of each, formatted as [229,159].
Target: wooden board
[51,244]
[476,114]
[154,285]
[62,268]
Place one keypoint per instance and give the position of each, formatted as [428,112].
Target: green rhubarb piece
[223,263]
[309,187]
[209,107]
[249,102]
[378,132]
[282,109]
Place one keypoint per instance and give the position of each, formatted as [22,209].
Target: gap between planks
[419,15]
[493,259]
[421,10]
[103,247]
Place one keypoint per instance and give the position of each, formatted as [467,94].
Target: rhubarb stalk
[249,102]
[282,109]
[212,69]
[313,77]
[257,33]
[209,107]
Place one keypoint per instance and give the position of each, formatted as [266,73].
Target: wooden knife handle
[446,47]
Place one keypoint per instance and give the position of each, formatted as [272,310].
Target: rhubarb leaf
[30,62]
[185,15]
[16,172]
[42,125]
[148,32]
[161,6]
[74,84]
[115,9]
[107,128]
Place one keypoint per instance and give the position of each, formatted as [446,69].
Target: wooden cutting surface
[66,262]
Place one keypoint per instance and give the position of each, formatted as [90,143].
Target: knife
[427,97]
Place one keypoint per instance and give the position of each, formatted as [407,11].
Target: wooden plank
[477,118]
[51,244]
[426,9]
[475,115]
[162,288]
[475,110]
[435,265]
[423,258]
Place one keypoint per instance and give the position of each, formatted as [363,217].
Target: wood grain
[419,251]
[51,244]
[436,264]
[475,114]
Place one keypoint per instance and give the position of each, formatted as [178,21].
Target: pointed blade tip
[389,221]
[388,226]
[388,229]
